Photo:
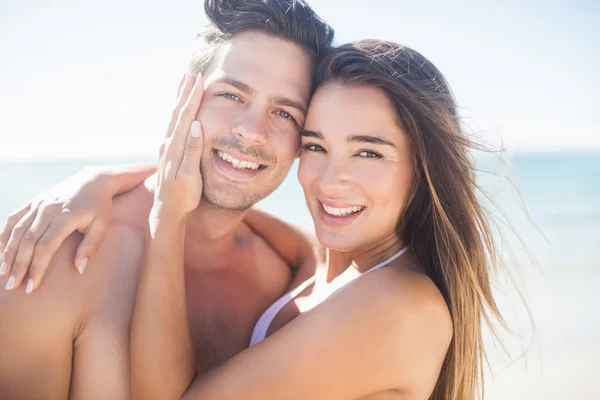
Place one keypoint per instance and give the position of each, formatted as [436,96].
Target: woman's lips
[338,220]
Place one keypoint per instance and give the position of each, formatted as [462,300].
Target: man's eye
[230,96]
[286,115]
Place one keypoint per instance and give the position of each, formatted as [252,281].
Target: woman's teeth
[341,212]
[237,163]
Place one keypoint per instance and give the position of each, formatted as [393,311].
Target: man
[70,336]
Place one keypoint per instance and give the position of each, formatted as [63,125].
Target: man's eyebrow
[313,134]
[370,139]
[239,85]
[283,101]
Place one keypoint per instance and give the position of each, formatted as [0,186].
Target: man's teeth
[340,212]
[237,163]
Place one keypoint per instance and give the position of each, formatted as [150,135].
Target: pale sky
[82,79]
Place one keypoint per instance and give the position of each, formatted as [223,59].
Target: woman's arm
[162,362]
[383,332]
[82,203]
[387,331]
[119,179]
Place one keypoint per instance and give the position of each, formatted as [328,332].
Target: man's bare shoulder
[133,208]
[297,247]
[264,221]
[43,332]
[65,296]
[61,285]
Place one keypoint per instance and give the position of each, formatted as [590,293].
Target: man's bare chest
[223,306]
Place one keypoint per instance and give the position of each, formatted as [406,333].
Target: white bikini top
[262,325]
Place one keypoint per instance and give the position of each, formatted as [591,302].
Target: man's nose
[252,128]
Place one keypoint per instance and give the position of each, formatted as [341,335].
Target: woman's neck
[361,259]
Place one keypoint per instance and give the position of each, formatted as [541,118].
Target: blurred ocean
[561,193]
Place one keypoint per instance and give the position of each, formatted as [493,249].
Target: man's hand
[179,186]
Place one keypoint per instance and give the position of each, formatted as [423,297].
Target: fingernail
[3,268]
[188,76]
[30,285]
[195,131]
[82,265]
[10,285]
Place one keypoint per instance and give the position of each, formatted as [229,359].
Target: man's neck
[211,231]
[209,224]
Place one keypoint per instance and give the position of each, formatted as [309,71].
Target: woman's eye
[369,154]
[312,147]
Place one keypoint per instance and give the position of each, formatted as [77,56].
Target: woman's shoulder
[412,290]
[399,298]
[398,319]
[404,293]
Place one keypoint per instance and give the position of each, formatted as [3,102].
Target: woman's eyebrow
[353,138]
[313,134]
[370,139]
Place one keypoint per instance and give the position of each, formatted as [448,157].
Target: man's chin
[227,201]
[223,192]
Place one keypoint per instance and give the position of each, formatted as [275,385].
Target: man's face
[257,93]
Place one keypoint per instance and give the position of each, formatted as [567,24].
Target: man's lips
[239,160]
[238,170]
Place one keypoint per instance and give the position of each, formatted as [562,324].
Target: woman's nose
[334,177]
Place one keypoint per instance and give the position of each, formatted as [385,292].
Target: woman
[396,311]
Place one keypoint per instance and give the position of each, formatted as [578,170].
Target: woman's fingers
[52,239]
[190,165]
[43,253]
[185,87]
[12,247]
[179,178]
[29,246]
[11,221]
[175,149]
[90,243]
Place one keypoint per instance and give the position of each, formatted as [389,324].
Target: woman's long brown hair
[443,223]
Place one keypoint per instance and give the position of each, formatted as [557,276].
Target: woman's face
[355,166]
